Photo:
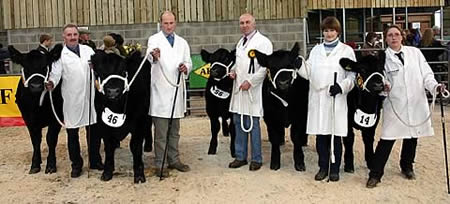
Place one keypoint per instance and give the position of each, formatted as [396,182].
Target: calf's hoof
[300,167]
[212,151]
[372,182]
[34,170]
[139,179]
[349,169]
[274,166]
[106,176]
[49,169]
[97,165]
[148,147]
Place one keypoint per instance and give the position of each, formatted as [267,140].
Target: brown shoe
[165,173]
[180,167]
[372,182]
[254,166]
[237,163]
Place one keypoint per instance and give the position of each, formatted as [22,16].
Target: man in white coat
[170,57]
[406,114]
[77,86]
[246,99]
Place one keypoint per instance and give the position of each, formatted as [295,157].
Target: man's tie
[245,40]
[399,55]
[170,39]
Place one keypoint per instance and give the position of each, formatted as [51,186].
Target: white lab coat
[407,95]
[319,69]
[75,74]
[161,91]
[241,102]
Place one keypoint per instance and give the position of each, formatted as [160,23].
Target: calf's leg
[52,140]
[348,154]
[215,127]
[36,138]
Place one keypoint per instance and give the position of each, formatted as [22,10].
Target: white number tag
[219,93]
[113,119]
[364,119]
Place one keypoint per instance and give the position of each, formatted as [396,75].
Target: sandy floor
[210,181]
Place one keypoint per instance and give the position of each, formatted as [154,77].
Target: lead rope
[445,94]
[242,114]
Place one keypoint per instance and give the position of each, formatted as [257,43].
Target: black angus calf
[34,104]
[285,102]
[218,95]
[364,105]
[122,109]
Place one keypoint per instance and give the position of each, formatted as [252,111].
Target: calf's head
[369,70]
[111,74]
[221,62]
[282,66]
[36,66]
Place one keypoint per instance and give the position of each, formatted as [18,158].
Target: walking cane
[89,123]
[169,127]
[333,118]
[444,139]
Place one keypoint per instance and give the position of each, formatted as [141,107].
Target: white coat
[241,102]
[407,95]
[319,69]
[161,91]
[75,74]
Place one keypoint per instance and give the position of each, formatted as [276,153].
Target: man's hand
[49,85]
[182,68]
[245,86]
[232,75]
[155,54]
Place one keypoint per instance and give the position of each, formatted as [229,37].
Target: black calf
[364,105]
[115,103]
[36,67]
[218,95]
[285,102]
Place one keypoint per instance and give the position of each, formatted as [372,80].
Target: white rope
[135,74]
[161,63]
[114,76]
[445,94]
[242,114]
[285,103]
[54,111]
[368,78]
[293,72]
[25,80]
[227,67]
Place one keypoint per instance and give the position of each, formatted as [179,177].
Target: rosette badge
[251,53]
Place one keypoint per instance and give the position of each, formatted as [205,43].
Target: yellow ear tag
[97,85]
[360,81]
[251,54]
[348,68]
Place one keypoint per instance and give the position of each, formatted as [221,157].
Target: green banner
[199,74]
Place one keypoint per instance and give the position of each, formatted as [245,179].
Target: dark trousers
[323,145]
[73,144]
[383,151]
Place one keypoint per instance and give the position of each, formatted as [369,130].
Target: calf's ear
[55,53]
[295,50]
[261,57]
[205,56]
[16,56]
[347,64]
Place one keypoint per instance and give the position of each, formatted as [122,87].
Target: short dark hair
[167,11]
[370,36]
[70,25]
[45,37]
[331,22]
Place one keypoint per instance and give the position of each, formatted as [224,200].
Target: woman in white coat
[405,110]
[320,69]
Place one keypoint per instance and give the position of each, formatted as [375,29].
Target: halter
[25,80]
[293,74]
[114,76]
[227,67]
[364,85]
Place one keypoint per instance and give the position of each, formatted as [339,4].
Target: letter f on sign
[5,94]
